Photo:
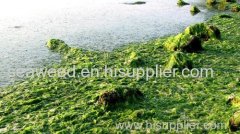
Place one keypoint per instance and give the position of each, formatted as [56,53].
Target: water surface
[25,26]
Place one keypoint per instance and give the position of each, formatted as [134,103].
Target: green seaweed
[179,60]
[194,10]
[182,3]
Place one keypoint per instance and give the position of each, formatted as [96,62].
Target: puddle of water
[91,24]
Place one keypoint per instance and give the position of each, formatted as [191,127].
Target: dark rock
[110,97]
[214,32]
[136,3]
[193,45]
[225,16]
[119,95]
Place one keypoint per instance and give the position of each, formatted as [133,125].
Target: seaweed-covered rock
[57,45]
[190,39]
[234,122]
[211,2]
[203,31]
[118,95]
[183,42]
[134,60]
[182,3]
[235,8]
[178,60]
[194,10]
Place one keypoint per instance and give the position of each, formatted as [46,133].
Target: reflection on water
[92,24]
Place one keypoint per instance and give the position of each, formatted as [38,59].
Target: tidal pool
[103,25]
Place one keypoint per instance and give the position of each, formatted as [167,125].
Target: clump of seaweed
[235,8]
[234,122]
[222,5]
[194,10]
[203,31]
[211,2]
[179,60]
[182,3]
[190,39]
[233,100]
[57,45]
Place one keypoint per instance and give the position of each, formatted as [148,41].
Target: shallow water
[26,25]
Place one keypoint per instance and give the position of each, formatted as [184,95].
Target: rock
[211,2]
[183,42]
[110,97]
[136,3]
[182,3]
[57,45]
[17,27]
[178,60]
[193,45]
[234,122]
[135,60]
[194,10]
[119,95]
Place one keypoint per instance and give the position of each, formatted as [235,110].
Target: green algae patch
[57,45]
[182,3]
[179,60]
[194,10]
